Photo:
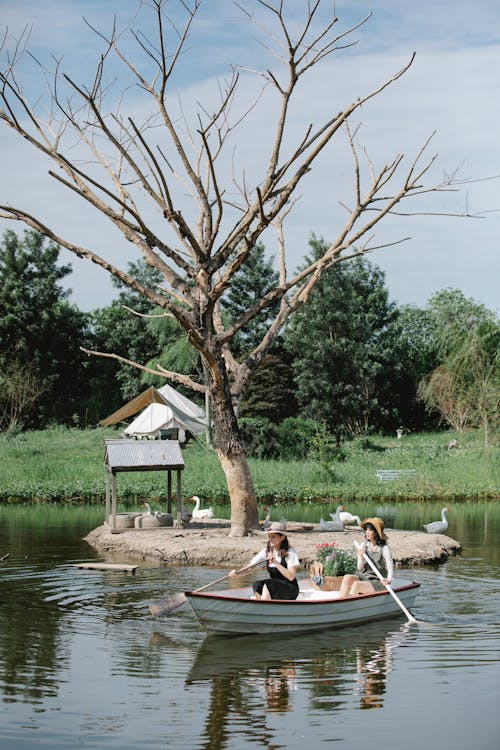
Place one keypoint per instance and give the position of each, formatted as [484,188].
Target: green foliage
[249,285]
[339,341]
[117,330]
[40,331]
[65,465]
[271,392]
[336,562]
[295,436]
[465,387]
[259,437]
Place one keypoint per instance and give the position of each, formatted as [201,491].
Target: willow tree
[124,160]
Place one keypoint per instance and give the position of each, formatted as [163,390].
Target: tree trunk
[232,456]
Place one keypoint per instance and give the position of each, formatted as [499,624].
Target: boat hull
[234,612]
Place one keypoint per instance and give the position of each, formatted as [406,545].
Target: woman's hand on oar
[174,601]
[387,586]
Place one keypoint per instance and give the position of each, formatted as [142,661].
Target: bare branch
[175,377]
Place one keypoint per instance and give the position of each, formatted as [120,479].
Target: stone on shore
[209,543]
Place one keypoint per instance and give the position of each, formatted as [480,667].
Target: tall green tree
[339,342]
[122,326]
[40,331]
[254,279]
[414,352]
[465,386]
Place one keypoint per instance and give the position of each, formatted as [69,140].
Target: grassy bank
[66,465]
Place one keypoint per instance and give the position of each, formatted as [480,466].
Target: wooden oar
[174,601]
[389,589]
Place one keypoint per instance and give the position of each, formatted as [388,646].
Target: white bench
[389,475]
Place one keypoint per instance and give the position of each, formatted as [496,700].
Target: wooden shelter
[142,455]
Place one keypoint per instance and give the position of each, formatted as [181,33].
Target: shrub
[259,437]
[336,562]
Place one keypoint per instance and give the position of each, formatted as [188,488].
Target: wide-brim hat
[377,524]
[276,528]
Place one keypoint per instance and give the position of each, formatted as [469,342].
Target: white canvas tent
[181,403]
[157,417]
[160,409]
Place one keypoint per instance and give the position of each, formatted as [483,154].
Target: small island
[209,543]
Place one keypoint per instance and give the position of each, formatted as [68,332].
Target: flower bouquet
[331,565]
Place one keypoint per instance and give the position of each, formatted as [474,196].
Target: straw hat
[377,524]
[276,528]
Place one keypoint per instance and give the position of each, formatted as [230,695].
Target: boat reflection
[252,678]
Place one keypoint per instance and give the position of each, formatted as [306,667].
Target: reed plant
[66,465]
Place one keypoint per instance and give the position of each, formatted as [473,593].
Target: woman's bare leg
[345,587]
[361,587]
[265,593]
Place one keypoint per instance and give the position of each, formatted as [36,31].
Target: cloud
[452,88]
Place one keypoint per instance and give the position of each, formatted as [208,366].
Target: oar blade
[167,605]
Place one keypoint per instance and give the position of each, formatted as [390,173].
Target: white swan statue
[201,513]
[348,519]
[437,527]
[336,522]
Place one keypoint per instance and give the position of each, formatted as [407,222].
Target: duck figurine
[438,527]
[336,522]
[201,513]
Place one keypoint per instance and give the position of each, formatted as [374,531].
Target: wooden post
[113,502]
[107,496]
[179,498]
[169,492]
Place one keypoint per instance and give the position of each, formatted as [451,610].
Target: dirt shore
[209,543]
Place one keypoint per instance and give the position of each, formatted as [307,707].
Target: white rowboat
[233,611]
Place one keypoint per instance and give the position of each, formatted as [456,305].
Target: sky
[452,90]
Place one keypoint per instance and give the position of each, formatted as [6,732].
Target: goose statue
[329,525]
[164,519]
[348,519]
[437,527]
[283,522]
[336,522]
[146,520]
[265,524]
[201,513]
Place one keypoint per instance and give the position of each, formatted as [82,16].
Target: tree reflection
[247,688]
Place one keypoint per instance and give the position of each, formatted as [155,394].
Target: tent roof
[160,416]
[149,396]
[181,402]
[184,408]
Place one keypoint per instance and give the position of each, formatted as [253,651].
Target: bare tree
[20,389]
[164,156]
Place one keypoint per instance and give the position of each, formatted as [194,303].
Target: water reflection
[132,682]
[250,679]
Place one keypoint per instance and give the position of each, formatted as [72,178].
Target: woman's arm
[389,562]
[259,557]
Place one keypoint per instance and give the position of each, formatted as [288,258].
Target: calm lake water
[83,665]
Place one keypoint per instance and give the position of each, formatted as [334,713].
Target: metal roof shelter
[141,455]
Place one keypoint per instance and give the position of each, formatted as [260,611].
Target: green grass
[66,466]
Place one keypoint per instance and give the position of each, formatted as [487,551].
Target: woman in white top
[379,552]
[281,563]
